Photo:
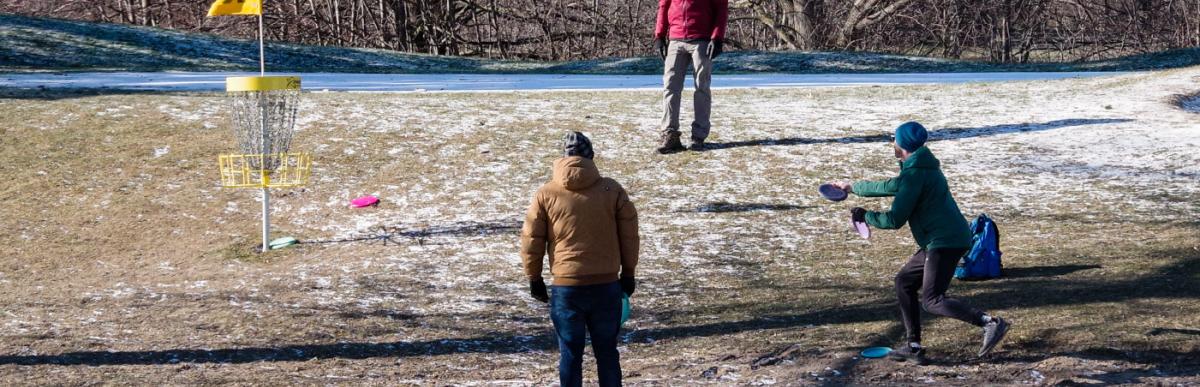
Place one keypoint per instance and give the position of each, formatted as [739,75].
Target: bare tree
[997,30]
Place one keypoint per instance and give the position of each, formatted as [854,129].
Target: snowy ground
[173,81]
[136,272]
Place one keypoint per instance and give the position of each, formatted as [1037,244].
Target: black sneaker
[993,332]
[670,143]
[697,146]
[907,353]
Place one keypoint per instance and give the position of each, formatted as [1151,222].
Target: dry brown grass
[121,267]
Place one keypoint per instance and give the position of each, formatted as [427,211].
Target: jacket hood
[921,158]
[575,173]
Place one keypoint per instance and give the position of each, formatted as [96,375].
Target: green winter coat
[922,200]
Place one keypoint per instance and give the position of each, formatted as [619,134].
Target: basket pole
[262,61]
[265,175]
[266,196]
[266,219]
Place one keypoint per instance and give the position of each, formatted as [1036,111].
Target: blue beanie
[911,136]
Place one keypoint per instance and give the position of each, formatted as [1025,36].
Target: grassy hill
[39,44]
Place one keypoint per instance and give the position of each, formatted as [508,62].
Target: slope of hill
[39,44]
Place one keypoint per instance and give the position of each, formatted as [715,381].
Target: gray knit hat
[576,144]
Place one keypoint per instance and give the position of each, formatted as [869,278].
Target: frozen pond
[209,81]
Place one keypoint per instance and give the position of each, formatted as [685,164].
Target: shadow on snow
[934,135]
[483,344]
[722,207]
[397,235]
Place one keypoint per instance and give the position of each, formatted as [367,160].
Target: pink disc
[364,201]
[862,229]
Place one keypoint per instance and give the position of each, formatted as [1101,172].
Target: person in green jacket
[922,200]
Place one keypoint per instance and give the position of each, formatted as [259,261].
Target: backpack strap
[995,229]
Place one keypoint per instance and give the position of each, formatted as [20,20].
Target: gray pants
[680,54]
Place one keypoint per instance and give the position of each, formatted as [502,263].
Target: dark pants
[580,310]
[931,273]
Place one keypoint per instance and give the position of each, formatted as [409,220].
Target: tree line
[1009,31]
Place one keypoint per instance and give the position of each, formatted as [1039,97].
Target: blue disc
[876,352]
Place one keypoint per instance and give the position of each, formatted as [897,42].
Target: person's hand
[537,289]
[660,45]
[715,48]
[627,285]
[843,185]
[858,214]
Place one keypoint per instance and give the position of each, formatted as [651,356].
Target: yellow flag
[235,7]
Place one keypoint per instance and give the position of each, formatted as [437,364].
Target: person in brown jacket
[588,227]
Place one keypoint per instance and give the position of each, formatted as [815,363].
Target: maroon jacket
[692,19]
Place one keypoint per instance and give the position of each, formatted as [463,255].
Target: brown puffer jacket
[585,223]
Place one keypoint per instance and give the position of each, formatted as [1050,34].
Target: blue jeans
[581,310]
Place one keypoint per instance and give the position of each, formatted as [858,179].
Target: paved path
[178,81]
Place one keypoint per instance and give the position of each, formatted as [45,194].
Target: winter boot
[907,352]
[670,143]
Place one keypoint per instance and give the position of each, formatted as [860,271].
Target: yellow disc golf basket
[264,117]
[244,171]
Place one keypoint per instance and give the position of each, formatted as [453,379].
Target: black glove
[627,285]
[537,289]
[858,214]
[715,48]
[660,45]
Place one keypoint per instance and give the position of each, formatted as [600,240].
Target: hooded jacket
[691,19]
[923,200]
[585,223]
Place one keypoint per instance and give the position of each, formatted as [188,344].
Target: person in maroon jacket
[688,32]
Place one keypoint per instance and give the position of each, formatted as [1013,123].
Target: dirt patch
[1188,102]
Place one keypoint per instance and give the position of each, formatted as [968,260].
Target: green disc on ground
[283,242]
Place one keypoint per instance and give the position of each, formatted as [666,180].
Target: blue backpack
[983,260]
